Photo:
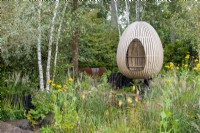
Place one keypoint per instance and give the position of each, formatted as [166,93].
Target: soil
[16,126]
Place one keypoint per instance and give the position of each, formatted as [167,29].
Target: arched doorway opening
[135,56]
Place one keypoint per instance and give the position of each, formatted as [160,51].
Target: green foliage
[46,130]
[60,102]
[185,22]
[41,109]
[172,105]
[98,45]
[176,52]
[18,36]
[11,114]
[178,95]
[13,87]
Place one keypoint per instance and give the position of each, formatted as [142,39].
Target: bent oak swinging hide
[140,51]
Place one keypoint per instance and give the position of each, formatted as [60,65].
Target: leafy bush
[60,101]
[176,52]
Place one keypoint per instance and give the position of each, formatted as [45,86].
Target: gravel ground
[14,126]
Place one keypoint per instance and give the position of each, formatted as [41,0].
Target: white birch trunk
[116,9]
[113,13]
[138,10]
[50,46]
[57,41]
[127,12]
[41,79]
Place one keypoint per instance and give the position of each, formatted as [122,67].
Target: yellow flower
[53,84]
[107,112]
[187,56]
[58,86]
[129,100]
[168,80]
[171,64]
[120,103]
[167,67]
[59,90]
[136,99]
[195,68]
[177,68]
[83,96]
[192,57]
[49,81]
[196,60]
[70,79]
[65,86]
[198,65]
[186,65]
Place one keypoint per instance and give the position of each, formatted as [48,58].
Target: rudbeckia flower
[70,79]
[49,81]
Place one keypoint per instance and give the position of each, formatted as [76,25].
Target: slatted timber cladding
[140,51]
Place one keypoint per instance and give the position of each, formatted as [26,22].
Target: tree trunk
[114,19]
[138,10]
[41,79]
[75,43]
[114,15]
[50,46]
[127,12]
[117,19]
[58,37]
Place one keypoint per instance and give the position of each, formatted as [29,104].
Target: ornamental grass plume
[65,86]
[134,90]
[120,103]
[83,96]
[136,99]
[107,112]
[129,100]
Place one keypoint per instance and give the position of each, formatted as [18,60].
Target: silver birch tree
[118,25]
[57,41]
[138,10]
[115,16]
[50,45]
[127,12]
[41,79]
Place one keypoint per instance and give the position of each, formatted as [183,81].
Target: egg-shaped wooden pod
[140,51]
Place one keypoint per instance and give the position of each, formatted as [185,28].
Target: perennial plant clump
[60,101]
